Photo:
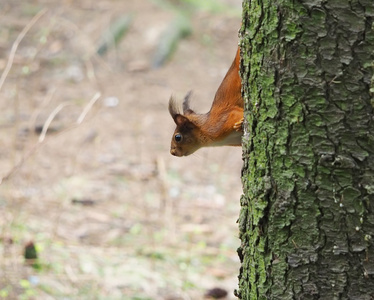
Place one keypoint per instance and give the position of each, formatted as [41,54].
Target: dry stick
[50,119]
[88,107]
[36,146]
[16,44]
[42,135]
[54,112]
[70,273]
[17,166]
[167,205]
[47,100]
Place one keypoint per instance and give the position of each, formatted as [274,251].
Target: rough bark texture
[307,217]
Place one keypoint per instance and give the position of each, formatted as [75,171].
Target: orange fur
[221,126]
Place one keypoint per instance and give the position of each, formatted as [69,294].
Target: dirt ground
[112,214]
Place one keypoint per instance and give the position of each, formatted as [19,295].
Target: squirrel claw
[238,126]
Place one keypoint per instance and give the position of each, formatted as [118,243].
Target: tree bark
[307,217]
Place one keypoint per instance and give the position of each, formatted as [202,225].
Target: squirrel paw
[238,126]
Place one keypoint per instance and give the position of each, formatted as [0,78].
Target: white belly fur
[233,139]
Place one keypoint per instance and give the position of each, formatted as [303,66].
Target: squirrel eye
[178,137]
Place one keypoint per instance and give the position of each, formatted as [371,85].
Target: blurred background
[92,205]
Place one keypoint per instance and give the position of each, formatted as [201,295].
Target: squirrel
[221,126]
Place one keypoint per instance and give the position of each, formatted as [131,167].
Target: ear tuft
[186,104]
[173,108]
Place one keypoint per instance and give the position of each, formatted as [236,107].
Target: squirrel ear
[186,104]
[183,121]
[180,120]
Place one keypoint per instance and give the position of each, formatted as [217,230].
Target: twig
[70,273]
[47,100]
[16,44]
[88,107]
[49,120]
[46,125]
[36,146]
[17,166]
[167,205]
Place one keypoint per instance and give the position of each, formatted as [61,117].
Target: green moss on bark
[306,223]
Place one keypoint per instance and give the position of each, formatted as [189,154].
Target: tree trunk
[307,217]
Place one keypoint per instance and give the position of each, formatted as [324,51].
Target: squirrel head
[185,140]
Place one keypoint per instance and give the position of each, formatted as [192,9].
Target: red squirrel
[221,126]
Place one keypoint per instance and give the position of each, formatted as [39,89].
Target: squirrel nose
[173,152]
